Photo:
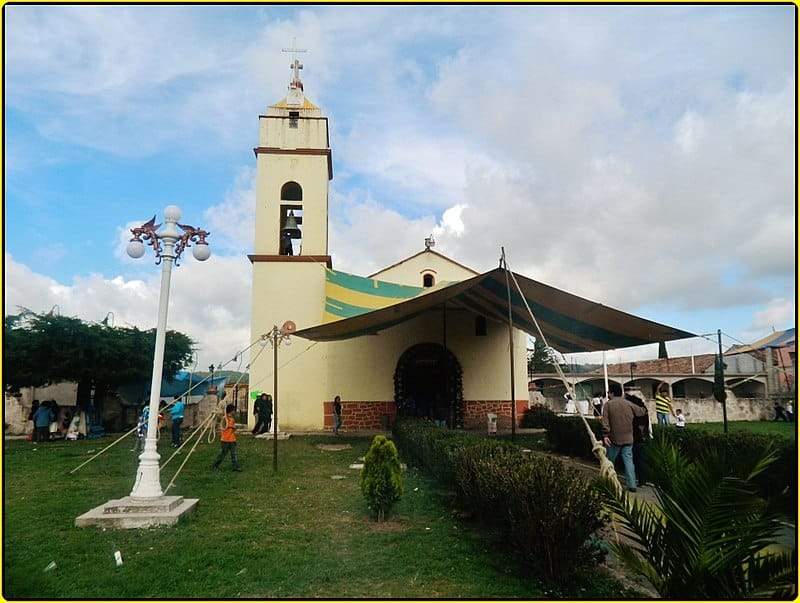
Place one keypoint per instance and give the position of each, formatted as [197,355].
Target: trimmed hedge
[537,416]
[567,435]
[777,483]
[548,511]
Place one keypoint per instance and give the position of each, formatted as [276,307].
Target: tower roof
[284,104]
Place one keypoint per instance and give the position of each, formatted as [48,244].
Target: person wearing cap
[617,421]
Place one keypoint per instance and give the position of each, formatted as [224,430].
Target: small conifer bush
[381,477]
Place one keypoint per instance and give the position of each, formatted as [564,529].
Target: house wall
[704,410]
[290,291]
[363,369]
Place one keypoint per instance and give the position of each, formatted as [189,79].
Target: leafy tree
[540,360]
[41,349]
[708,535]
[381,477]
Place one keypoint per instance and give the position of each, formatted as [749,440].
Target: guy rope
[606,467]
[126,434]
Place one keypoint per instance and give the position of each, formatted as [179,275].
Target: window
[480,326]
[293,117]
[427,280]
[291,191]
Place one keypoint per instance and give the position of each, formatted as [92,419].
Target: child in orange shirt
[228,439]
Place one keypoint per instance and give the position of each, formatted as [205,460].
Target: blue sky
[639,156]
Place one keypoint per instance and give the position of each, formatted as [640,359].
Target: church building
[449,362]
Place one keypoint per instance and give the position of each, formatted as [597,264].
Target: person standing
[32,419]
[263,410]
[228,440]
[176,411]
[337,414]
[680,420]
[641,436]
[663,407]
[597,405]
[42,420]
[141,428]
[617,422]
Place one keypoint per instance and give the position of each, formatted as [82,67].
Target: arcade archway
[427,383]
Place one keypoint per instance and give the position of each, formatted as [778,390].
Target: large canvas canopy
[570,323]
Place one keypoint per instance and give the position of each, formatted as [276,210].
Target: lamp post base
[132,512]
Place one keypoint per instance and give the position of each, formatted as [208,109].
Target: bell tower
[293,169]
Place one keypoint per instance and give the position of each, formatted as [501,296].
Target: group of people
[784,413]
[49,422]
[626,430]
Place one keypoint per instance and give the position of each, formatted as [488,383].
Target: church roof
[282,104]
[411,257]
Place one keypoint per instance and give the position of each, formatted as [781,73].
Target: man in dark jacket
[617,421]
[263,410]
[641,436]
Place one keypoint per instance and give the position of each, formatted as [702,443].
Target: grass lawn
[779,428]
[299,534]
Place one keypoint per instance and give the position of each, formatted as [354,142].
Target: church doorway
[427,384]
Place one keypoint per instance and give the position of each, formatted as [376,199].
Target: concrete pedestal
[137,513]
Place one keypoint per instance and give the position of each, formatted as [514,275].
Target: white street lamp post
[147,505]
[148,483]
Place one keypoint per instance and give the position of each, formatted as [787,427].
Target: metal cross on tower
[296,65]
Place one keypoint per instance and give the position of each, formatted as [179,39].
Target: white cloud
[634,156]
[209,301]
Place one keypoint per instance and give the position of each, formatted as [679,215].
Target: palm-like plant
[709,533]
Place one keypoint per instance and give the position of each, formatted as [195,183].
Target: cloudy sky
[639,156]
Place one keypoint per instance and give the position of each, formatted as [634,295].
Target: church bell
[290,226]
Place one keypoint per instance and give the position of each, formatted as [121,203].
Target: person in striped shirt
[663,407]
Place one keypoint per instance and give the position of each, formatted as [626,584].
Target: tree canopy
[41,349]
[540,359]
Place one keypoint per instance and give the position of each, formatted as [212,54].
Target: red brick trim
[475,412]
[276,151]
[359,415]
[319,259]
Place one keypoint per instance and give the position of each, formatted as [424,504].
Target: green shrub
[538,416]
[553,512]
[567,435]
[778,483]
[381,477]
[709,534]
[545,508]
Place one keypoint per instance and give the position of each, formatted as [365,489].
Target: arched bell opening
[428,384]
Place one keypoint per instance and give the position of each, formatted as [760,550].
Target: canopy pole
[510,348]
[605,374]
[445,369]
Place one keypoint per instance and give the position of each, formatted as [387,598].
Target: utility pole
[722,383]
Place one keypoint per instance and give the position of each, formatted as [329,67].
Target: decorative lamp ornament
[135,248]
[290,226]
[172,213]
[201,251]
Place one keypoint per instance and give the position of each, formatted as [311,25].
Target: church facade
[448,364]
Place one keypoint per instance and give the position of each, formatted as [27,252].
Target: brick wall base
[475,412]
[360,415]
[357,416]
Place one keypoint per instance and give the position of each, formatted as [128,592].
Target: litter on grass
[50,566]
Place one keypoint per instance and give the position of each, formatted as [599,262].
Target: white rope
[123,436]
[180,468]
[606,467]
[206,424]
